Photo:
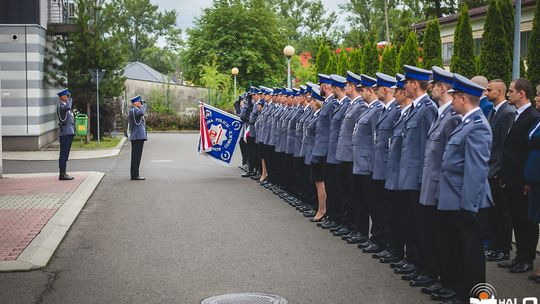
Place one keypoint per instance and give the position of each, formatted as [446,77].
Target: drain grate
[245,298]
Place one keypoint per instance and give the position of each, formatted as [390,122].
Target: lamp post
[288,51]
[97,75]
[234,72]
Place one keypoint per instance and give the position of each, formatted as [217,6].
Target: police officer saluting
[137,135]
[66,124]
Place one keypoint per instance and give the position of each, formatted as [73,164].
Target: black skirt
[317,171]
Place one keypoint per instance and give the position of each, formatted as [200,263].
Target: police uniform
[463,190]
[66,125]
[137,135]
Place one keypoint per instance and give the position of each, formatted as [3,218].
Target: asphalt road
[196,229]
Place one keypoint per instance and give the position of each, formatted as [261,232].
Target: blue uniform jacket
[335,126]
[299,130]
[252,119]
[322,132]
[291,129]
[66,122]
[363,139]
[305,122]
[381,135]
[344,150]
[136,123]
[309,138]
[394,152]
[463,183]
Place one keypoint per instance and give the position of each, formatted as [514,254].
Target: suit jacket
[302,126]
[532,165]
[344,149]
[66,122]
[394,152]
[362,138]
[500,124]
[417,125]
[463,183]
[322,132]
[516,148]
[335,126]
[383,131]
[136,123]
[438,136]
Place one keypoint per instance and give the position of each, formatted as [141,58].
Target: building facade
[28,102]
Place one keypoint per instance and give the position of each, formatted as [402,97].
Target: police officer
[66,133]
[137,135]
[463,190]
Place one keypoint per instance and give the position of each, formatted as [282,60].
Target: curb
[38,253]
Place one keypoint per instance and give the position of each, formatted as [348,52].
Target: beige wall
[180,97]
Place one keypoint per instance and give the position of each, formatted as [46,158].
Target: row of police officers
[353,150]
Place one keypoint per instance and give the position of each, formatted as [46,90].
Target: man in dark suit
[515,150]
[500,118]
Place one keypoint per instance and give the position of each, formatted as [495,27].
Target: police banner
[219,131]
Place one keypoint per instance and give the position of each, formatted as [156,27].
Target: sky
[189,9]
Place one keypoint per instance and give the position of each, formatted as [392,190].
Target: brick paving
[26,205]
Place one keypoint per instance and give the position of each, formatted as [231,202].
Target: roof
[474,12]
[140,71]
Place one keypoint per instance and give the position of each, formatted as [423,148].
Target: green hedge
[167,122]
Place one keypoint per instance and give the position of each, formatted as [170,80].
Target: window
[447,50]
[525,37]
[477,46]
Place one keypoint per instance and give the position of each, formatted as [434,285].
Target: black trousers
[525,231]
[252,154]
[331,186]
[425,218]
[243,150]
[288,168]
[396,236]
[462,255]
[376,199]
[268,156]
[345,192]
[360,215]
[65,148]
[499,220]
[301,178]
[136,153]
[409,200]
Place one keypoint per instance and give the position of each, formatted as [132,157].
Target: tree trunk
[89,124]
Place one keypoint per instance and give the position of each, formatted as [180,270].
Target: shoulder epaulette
[453,113]
[478,119]
[379,106]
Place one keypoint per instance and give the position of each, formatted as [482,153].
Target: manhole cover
[245,298]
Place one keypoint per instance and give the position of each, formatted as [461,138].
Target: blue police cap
[400,84]
[415,73]
[136,98]
[288,92]
[63,93]
[367,81]
[353,78]
[296,92]
[465,85]
[338,81]
[441,75]
[316,94]
[303,89]
[309,86]
[261,102]
[384,80]
[323,78]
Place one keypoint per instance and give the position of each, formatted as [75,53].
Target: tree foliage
[494,61]
[463,54]
[507,14]
[343,62]
[432,45]
[323,56]
[533,60]
[388,63]
[240,34]
[355,61]
[370,59]
[408,54]
[331,66]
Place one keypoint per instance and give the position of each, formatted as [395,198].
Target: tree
[408,54]
[494,59]
[139,24]
[331,66]
[343,62]
[243,34]
[432,46]
[388,63]
[303,72]
[463,55]
[92,45]
[533,60]
[507,13]
[370,59]
[355,61]
[323,56]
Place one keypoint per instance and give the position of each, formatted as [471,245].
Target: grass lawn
[105,143]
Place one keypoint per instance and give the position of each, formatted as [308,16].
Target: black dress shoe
[139,178]
[431,288]
[534,277]
[380,255]
[409,276]
[405,269]
[390,258]
[350,235]
[496,256]
[310,213]
[422,280]
[443,294]
[358,239]
[329,225]
[248,174]
[318,221]
[64,176]
[398,264]
[256,177]
[508,264]
[522,267]
[343,231]
[373,248]
[334,229]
